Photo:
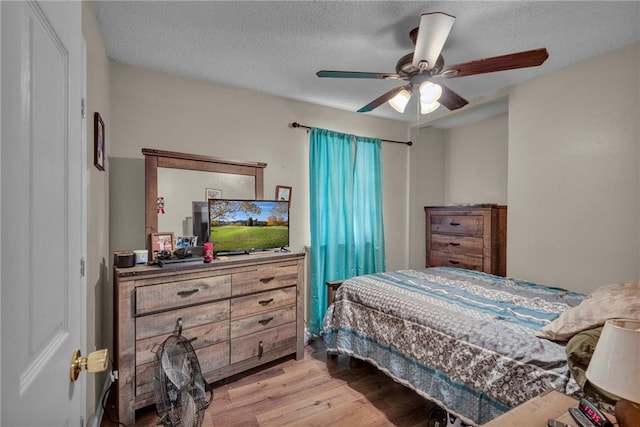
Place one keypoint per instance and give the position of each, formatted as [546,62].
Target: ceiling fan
[426,63]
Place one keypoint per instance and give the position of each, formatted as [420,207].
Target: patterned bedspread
[460,338]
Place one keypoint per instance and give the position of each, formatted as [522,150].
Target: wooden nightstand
[332,288]
[536,412]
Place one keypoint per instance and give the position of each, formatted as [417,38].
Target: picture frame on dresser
[161,242]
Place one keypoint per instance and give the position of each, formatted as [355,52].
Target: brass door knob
[94,362]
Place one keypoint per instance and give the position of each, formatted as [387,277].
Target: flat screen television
[242,226]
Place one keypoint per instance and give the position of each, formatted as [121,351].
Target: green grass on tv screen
[240,237]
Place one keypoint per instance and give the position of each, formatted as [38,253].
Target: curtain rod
[409,143]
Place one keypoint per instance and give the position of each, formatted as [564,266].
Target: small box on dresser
[239,313]
[471,237]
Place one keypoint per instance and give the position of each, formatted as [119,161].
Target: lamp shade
[615,364]
[429,92]
[399,102]
[428,108]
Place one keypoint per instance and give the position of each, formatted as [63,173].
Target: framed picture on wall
[98,142]
[283,193]
[213,193]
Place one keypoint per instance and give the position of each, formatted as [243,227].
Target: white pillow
[616,301]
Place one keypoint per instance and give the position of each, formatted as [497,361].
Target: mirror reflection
[183,207]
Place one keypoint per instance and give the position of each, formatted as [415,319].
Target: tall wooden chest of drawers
[471,237]
[239,313]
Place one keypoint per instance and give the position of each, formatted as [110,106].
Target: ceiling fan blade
[529,58]
[450,99]
[357,75]
[381,99]
[432,33]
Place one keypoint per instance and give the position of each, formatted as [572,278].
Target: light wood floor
[308,392]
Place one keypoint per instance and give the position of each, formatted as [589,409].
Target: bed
[462,339]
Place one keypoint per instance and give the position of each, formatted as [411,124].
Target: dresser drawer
[437,259]
[270,277]
[165,323]
[262,321]
[254,346]
[199,336]
[210,358]
[181,293]
[264,301]
[458,224]
[457,244]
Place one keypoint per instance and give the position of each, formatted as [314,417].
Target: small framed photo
[283,193]
[98,142]
[161,242]
[213,193]
[186,242]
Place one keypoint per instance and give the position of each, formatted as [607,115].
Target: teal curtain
[347,236]
[367,207]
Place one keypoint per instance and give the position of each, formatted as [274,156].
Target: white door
[41,217]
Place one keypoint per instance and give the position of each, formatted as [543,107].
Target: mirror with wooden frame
[177,186]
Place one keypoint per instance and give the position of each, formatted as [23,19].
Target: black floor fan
[180,390]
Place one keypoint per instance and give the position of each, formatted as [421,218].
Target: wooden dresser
[240,313]
[471,237]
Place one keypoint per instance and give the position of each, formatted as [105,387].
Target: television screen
[248,225]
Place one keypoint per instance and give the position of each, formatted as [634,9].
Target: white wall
[427,187]
[573,174]
[475,161]
[162,111]
[99,292]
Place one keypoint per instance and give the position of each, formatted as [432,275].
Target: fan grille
[179,388]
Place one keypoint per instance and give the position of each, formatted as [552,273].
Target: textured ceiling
[276,47]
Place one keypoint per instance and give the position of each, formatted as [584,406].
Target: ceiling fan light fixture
[426,108]
[400,101]
[429,92]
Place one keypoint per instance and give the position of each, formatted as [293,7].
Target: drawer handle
[260,349]
[179,326]
[454,224]
[267,279]
[265,302]
[454,262]
[187,293]
[192,339]
[263,322]
[454,244]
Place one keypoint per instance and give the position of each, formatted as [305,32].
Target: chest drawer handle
[260,349]
[453,262]
[454,224]
[454,244]
[265,302]
[263,322]
[193,339]
[187,293]
[267,279]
